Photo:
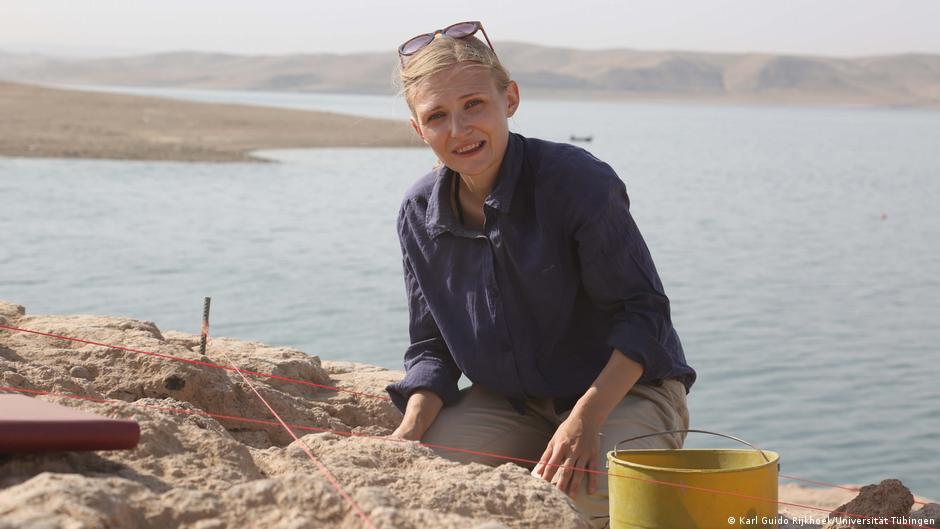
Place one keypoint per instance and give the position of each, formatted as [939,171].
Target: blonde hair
[440,54]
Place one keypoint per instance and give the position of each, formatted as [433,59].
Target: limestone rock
[211,456]
[931,511]
[11,311]
[890,498]
[80,372]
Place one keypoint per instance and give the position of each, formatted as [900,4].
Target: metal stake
[205,325]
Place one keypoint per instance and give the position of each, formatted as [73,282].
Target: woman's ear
[512,96]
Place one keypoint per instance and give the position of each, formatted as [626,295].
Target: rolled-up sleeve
[428,362]
[619,276]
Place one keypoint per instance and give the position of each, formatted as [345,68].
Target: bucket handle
[733,438]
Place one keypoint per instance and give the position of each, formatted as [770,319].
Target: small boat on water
[581,138]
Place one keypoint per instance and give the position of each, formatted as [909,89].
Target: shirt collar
[440,216]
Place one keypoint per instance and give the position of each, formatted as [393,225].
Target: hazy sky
[826,27]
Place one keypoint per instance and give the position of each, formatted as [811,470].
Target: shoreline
[43,122]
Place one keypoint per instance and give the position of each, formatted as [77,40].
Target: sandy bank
[192,470]
[48,122]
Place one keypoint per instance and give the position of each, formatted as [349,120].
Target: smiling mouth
[471,151]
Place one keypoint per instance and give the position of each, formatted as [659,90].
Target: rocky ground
[192,470]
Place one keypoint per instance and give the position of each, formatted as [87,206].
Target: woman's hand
[577,441]
[575,445]
[420,411]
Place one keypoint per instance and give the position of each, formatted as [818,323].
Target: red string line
[198,362]
[429,445]
[843,487]
[306,383]
[320,466]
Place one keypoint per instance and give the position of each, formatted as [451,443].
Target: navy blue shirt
[533,304]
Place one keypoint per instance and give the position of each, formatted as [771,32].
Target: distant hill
[891,80]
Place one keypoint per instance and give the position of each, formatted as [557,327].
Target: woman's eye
[469,104]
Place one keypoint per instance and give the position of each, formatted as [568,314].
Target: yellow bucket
[692,488]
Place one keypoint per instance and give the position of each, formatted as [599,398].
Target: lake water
[800,249]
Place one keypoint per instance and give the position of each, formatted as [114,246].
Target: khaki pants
[485,421]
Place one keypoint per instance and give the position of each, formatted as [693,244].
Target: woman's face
[460,107]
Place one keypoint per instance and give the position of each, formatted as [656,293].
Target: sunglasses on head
[460,30]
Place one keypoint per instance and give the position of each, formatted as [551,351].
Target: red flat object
[30,425]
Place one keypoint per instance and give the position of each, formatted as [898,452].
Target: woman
[526,273]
